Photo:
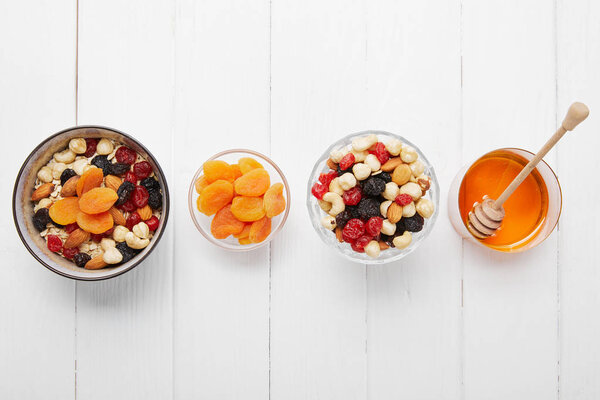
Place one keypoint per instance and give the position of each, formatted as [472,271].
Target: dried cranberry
[152,223]
[132,220]
[373,226]
[318,190]
[347,161]
[125,155]
[142,170]
[128,206]
[54,243]
[359,244]
[354,229]
[71,227]
[381,153]
[404,199]
[326,179]
[90,150]
[97,237]
[139,197]
[130,177]
[109,232]
[70,253]
[352,196]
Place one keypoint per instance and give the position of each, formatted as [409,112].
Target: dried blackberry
[414,223]
[384,176]
[41,218]
[368,208]
[373,186]
[154,199]
[102,163]
[342,218]
[127,252]
[66,175]
[80,259]
[124,192]
[118,168]
[400,227]
[353,210]
[150,183]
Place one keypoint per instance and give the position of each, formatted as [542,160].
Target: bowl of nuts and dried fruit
[90,203]
[239,199]
[373,196]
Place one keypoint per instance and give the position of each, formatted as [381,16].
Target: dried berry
[118,168]
[368,208]
[354,229]
[125,155]
[124,192]
[97,237]
[128,206]
[342,218]
[384,176]
[102,163]
[153,223]
[389,240]
[155,199]
[142,170]
[373,186]
[400,227]
[318,190]
[403,199]
[326,179]
[66,175]
[352,196]
[54,244]
[71,227]
[127,252]
[150,184]
[381,153]
[130,177]
[139,197]
[133,220]
[347,161]
[91,145]
[41,218]
[373,226]
[359,244]
[70,253]
[80,259]
[414,223]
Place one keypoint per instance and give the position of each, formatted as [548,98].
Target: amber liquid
[526,209]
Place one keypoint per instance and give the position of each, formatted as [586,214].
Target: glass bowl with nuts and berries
[239,199]
[90,203]
[373,196]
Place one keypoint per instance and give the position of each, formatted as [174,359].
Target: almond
[118,216]
[77,237]
[70,187]
[112,182]
[331,164]
[145,212]
[338,234]
[42,192]
[96,263]
[394,212]
[383,245]
[401,174]
[391,164]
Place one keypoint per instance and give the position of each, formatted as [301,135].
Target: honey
[526,209]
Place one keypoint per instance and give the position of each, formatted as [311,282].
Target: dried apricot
[225,223]
[247,164]
[247,209]
[97,200]
[64,211]
[274,201]
[244,233]
[237,172]
[253,183]
[200,184]
[92,178]
[244,241]
[217,169]
[95,223]
[260,230]
[215,196]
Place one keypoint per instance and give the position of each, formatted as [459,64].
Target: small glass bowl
[203,222]
[316,213]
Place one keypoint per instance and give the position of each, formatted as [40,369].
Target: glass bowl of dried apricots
[239,199]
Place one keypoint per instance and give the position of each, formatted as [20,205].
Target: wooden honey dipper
[487,216]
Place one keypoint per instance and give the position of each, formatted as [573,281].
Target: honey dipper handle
[576,114]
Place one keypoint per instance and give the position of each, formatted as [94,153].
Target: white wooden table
[294,320]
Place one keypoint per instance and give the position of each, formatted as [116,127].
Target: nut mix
[97,203]
[373,194]
[241,198]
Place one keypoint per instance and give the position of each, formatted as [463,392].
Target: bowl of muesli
[90,203]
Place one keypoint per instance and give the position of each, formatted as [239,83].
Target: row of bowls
[23,208]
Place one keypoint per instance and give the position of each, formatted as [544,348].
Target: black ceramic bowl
[23,207]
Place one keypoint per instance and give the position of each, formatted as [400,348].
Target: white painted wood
[414,309]
[37,98]
[221,305]
[510,300]
[126,81]
[578,163]
[318,300]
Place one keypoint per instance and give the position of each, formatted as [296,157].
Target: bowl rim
[434,183]
[217,242]
[164,215]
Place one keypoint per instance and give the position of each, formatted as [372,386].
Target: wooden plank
[414,306]
[318,307]
[126,81]
[221,298]
[510,300]
[579,325]
[37,82]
